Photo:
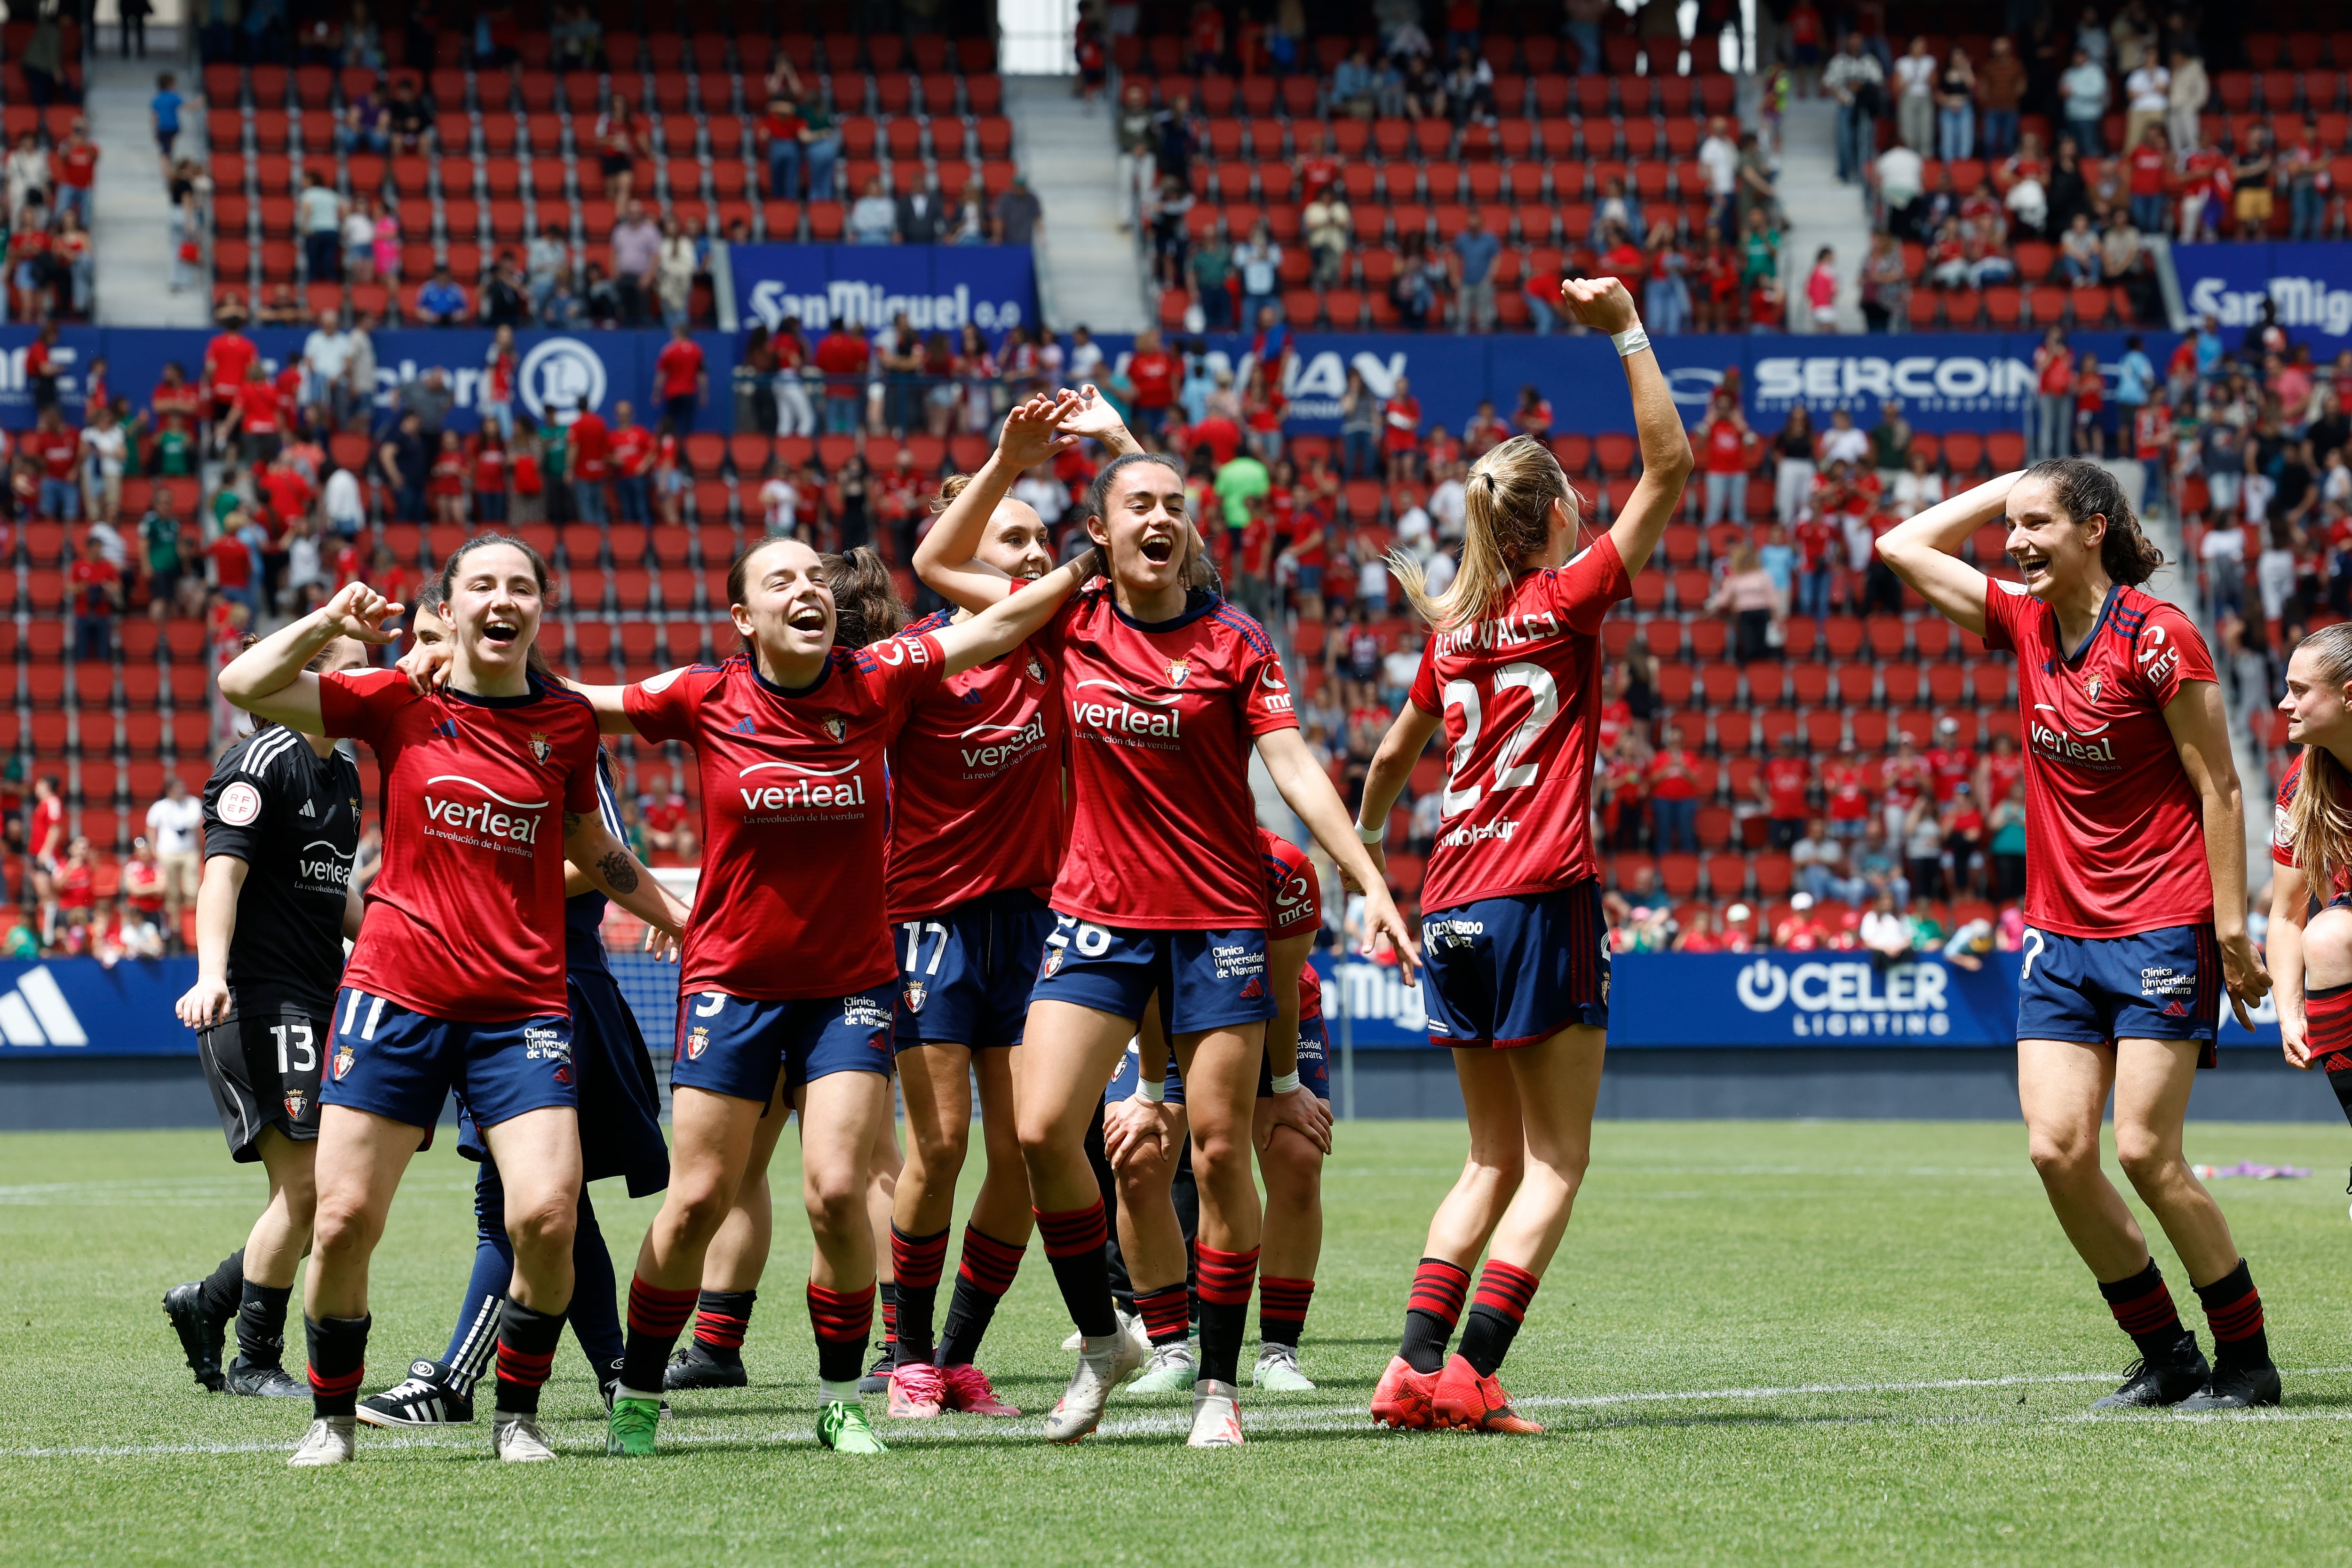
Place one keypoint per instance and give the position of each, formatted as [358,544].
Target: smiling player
[2134,899]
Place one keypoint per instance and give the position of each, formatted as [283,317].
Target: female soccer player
[1160,889]
[790,971]
[975,841]
[1144,1135]
[2311,847]
[620,1136]
[1512,923]
[281,831]
[458,979]
[2134,899]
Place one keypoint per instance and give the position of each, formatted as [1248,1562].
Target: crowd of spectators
[51,272]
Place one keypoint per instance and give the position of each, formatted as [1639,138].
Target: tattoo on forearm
[571,823]
[620,871]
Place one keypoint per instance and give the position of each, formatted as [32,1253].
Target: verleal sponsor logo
[519,823]
[1011,742]
[853,303]
[321,865]
[557,373]
[2089,746]
[2304,302]
[817,787]
[1128,714]
[1929,382]
[1849,1000]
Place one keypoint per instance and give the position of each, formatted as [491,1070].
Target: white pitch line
[1323,1419]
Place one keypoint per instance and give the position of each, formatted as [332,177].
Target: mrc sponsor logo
[2313,304]
[852,302]
[1936,384]
[1849,1000]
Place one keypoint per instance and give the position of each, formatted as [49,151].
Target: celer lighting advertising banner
[1666,1000]
[938,287]
[2308,286]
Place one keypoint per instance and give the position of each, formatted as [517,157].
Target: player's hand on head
[204,1004]
[1601,303]
[359,612]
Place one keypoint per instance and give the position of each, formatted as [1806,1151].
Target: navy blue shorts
[620,1099]
[1503,972]
[964,976]
[737,1045]
[2156,984]
[1204,980]
[403,1065]
[1314,1069]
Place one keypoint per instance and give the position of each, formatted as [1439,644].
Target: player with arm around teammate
[2134,899]
[2310,949]
[281,817]
[620,1136]
[1160,893]
[1512,928]
[790,971]
[458,978]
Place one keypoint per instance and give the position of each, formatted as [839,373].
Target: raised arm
[1603,304]
[1921,551]
[2290,908]
[1308,789]
[945,558]
[268,680]
[1011,619]
[1096,418]
[426,665]
[2201,733]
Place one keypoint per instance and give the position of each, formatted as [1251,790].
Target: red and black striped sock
[1282,1309]
[2144,1309]
[1495,1314]
[721,1320]
[1074,1241]
[982,1276]
[2233,1311]
[338,1362]
[915,1265]
[1167,1314]
[527,1342]
[2327,1016]
[888,1292]
[1431,1310]
[656,1317]
[844,1322]
[1226,1282]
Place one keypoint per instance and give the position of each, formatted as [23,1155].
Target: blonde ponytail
[1506,521]
[2319,819]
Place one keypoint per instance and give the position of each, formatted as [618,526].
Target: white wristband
[1286,1083]
[1371,835]
[1154,1090]
[1630,342]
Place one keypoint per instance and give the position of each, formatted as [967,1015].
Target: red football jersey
[795,816]
[2282,826]
[227,355]
[1520,695]
[2118,840]
[1162,716]
[1950,767]
[1293,904]
[466,920]
[1786,780]
[976,784]
[1846,780]
[680,367]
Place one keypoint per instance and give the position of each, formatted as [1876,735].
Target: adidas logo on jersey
[447,728]
[1254,987]
[744,727]
[37,1013]
[306,810]
[2175,1010]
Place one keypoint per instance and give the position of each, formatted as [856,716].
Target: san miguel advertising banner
[1661,1000]
[939,287]
[559,370]
[2308,285]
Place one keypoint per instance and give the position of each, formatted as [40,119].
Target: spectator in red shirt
[1730,448]
[447,486]
[841,354]
[489,476]
[97,589]
[287,496]
[253,417]
[58,450]
[681,378]
[1950,764]
[632,464]
[232,567]
[1782,785]
[1401,418]
[592,465]
[1673,795]
[74,165]
[1151,375]
[1846,780]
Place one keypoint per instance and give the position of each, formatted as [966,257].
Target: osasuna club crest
[1037,669]
[2090,688]
[696,1043]
[916,994]
[538,747]
[1053,957]
[1177,670]
[296,1103]
[835,727]
[343,1062]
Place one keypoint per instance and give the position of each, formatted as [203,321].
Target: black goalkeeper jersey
[293,817]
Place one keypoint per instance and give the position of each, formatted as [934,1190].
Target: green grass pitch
[1760,1343]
